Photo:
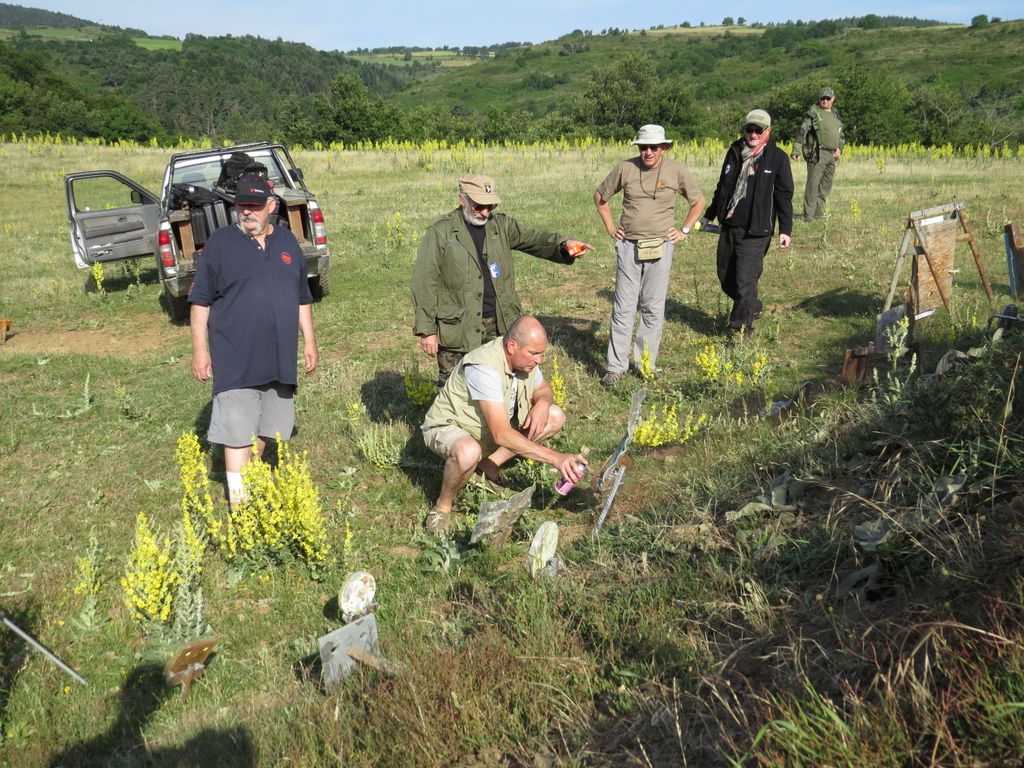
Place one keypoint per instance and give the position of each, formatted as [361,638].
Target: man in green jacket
[464,285]
[496,405]
[820,140]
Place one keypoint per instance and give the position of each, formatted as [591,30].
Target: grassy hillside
[900,80]
[733,66]
[694,630]
[14,16]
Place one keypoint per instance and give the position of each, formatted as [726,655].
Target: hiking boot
[437,523]
[611,379]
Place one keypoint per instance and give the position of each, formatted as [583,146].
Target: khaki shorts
[241,414]
[441,439]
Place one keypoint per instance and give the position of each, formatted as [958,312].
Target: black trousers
[740,263]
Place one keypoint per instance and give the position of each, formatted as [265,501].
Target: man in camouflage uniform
[820,141]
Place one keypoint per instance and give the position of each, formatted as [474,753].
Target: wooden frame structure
[930,238]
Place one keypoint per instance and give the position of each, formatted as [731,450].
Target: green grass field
[685,634]
[91,33]
[441,57]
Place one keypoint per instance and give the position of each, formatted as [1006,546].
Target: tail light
[319,226]
[166,251]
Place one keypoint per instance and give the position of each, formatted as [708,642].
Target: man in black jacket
[754,191]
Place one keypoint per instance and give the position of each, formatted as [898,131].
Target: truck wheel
[320,285]
[176,306]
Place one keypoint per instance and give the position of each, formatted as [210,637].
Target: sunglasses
[753,129]
[649,147]
[826,98]
[477,208]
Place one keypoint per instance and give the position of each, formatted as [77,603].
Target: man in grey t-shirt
[645,238]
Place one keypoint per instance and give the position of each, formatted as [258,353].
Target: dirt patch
[134,336]
[404,551]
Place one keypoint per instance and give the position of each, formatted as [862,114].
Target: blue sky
[343,25]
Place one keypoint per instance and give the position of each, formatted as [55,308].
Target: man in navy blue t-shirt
[250,298]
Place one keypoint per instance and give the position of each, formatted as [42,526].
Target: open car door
[110,217]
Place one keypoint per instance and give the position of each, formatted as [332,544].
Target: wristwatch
[685,230]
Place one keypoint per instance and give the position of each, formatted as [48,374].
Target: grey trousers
[643,285]
[819,184]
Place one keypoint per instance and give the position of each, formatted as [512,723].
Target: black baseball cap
[253,189]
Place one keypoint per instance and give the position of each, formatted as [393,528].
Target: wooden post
[974,251]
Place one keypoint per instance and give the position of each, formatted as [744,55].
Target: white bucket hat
[652,134]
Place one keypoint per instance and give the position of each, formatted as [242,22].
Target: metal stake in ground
[28,638]
[615,466]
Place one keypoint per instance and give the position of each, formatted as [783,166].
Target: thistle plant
[558,388]
[150,579]
[419,388]
[346,542]
[664,428]
[732,368]
[132,270]
[188,621]
[97,277]
[355,413]
[89,585]
[894,389]
[280,520]
[196,499]
[379,446]
[759,368]
[646,368]
[709,363]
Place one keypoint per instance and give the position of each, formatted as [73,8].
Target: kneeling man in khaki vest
[495,405]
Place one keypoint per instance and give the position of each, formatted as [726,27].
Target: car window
[101,193]
[205,172]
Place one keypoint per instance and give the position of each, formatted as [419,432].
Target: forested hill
[14,16]
[934,84]
[213,86]
[897,80]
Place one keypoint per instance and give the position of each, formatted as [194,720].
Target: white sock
[236,492]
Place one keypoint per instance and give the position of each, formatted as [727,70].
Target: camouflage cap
[479,189]
[827,93]
[758,117]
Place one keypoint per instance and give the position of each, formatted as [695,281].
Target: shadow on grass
[676,312]
[578,338]
[421,468]
[695,319]
[124,278]
[841,302]
[139,697]
[385,399]
[13,651]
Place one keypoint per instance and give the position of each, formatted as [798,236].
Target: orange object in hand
[575,248]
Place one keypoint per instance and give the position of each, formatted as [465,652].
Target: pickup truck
[112,218]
